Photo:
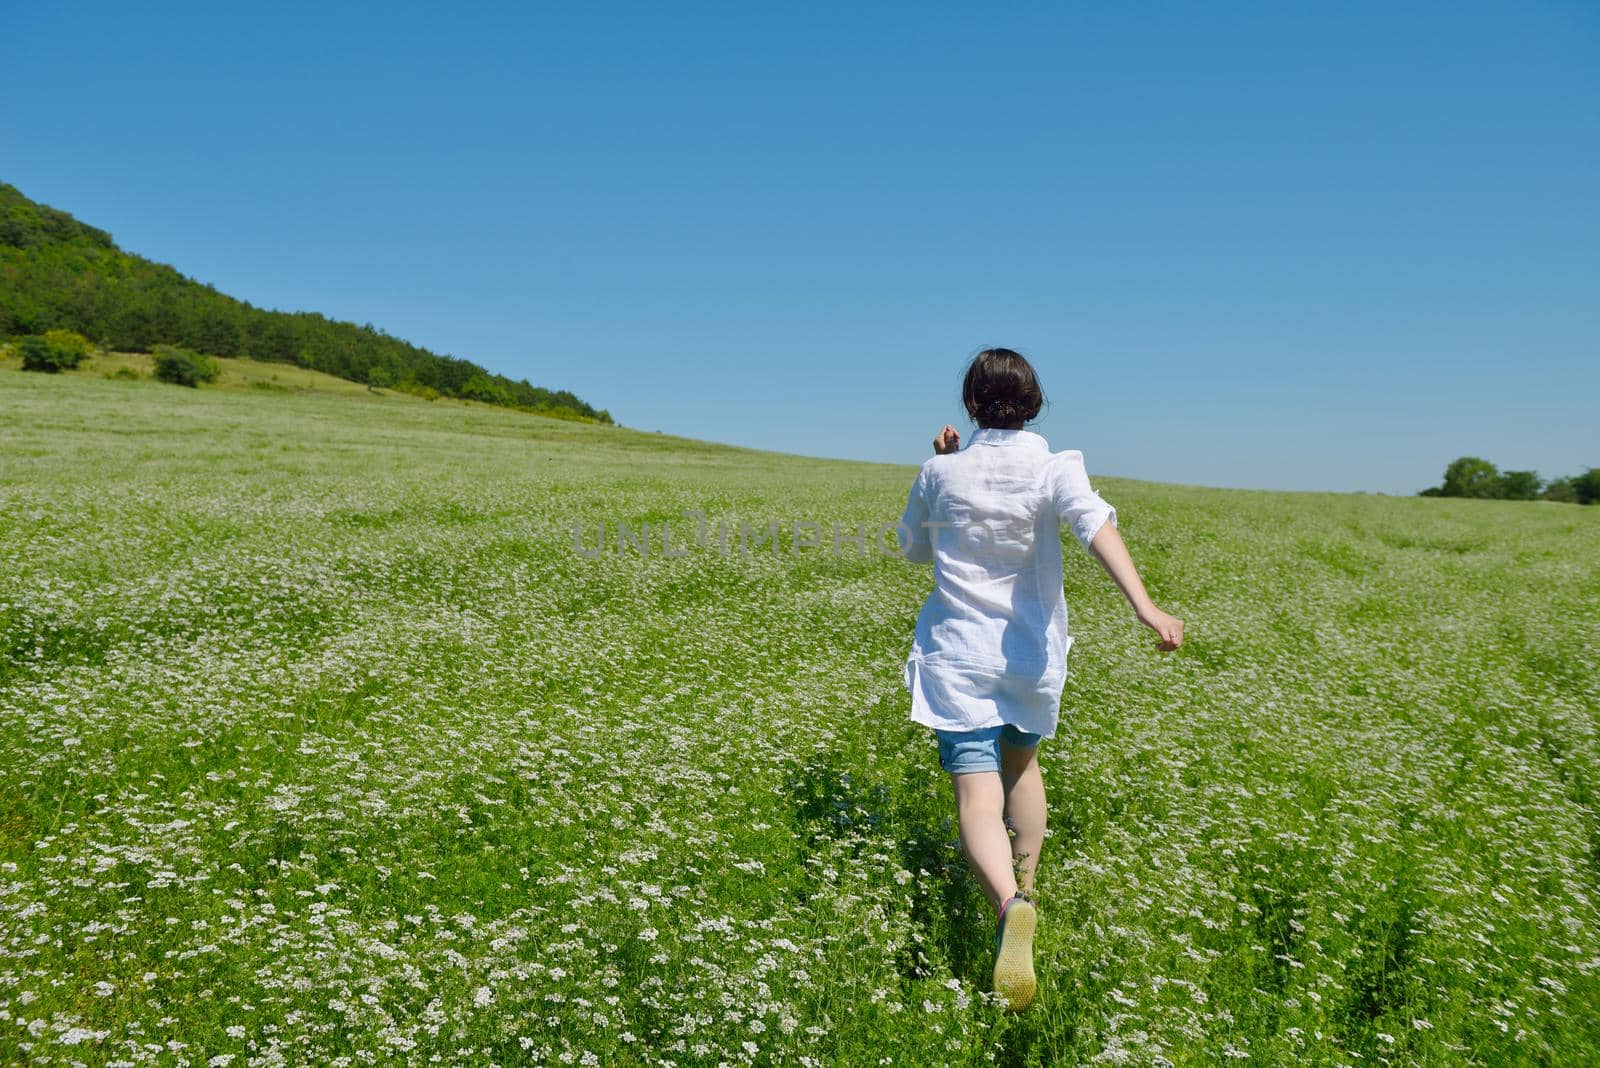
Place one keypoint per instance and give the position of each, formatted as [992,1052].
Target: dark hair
[1001,390]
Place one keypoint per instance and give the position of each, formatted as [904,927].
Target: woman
[989,659]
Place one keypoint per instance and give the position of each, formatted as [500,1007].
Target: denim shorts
[979,750]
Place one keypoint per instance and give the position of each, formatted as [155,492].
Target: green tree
[1586,487]
[480,387]
[1470,476]
[1520,486]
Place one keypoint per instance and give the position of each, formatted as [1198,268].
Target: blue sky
[1268,245]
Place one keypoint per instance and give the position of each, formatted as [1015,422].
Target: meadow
[323,740]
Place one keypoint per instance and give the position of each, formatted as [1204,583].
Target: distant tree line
[57,273]
[1470,476]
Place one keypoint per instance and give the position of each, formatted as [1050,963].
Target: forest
[57,273]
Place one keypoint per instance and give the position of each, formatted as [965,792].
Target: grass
[321,742]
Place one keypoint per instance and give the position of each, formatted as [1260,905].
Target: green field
[322,743]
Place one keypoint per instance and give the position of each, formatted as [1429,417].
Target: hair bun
[1001,389]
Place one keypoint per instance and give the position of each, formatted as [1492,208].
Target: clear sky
[1277,245]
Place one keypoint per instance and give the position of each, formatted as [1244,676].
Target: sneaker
[1013,952]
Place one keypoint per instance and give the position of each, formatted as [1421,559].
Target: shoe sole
[1013,965]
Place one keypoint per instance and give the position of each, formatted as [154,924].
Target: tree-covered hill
[59,273]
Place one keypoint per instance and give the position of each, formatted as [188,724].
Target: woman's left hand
[946,441]
[1170,628]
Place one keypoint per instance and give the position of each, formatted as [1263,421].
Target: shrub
[70,341]
[51,354]
[417,389]
[184,367]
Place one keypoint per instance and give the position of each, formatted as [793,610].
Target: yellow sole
[1013,965]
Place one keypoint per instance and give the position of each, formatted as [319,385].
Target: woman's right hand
[946,441]
[1169,627]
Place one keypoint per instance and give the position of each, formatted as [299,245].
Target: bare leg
[1024,809]
[980,805]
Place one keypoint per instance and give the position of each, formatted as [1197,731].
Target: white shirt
[991,641]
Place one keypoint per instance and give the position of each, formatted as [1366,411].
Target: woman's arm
[1109,549]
